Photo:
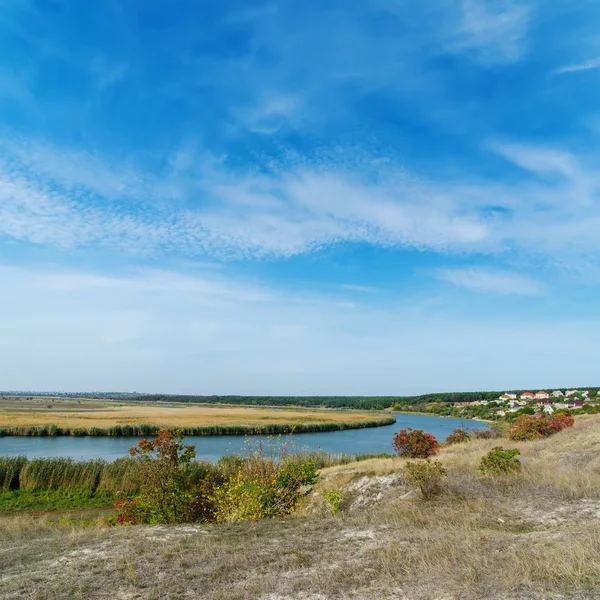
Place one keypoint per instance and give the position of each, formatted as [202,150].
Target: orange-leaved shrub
[458,436]
[414,443]
[532,427]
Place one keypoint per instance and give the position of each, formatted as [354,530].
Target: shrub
[500,461]
[333,499]
[528,427]
[165,491]
[458,436]
[266,482]
[426,476]
[486,434]
[173,488]
[560,422]
[414,443]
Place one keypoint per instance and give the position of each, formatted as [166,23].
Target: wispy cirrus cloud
[491,281]
[589,65]
[73,201]
[496,31]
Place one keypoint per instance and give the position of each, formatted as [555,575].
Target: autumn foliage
[532,427]
[458,436]
[415,443]
[267,481]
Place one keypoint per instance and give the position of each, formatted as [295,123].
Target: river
[350,441]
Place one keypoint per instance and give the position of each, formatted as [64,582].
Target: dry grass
[535,535]
[107,415]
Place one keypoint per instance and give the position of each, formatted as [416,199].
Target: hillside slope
[534,535]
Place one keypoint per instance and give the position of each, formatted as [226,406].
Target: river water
[350,441]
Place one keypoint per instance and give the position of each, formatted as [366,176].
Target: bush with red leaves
[415,443]
[533,427]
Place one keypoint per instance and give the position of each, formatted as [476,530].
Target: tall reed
[10,468]
[54,473]
[119,476]
[145,429]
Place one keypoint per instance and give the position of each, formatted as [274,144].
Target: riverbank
[531,535]
[94,418]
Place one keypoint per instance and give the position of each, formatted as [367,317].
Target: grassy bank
[148,429]
[44,484]
[533,535]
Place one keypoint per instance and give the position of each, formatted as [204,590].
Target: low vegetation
[415,443]
[366,530]
[532,427]
[500,461]
[427,476]
[110,419]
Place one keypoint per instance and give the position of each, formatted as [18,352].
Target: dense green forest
[359,402]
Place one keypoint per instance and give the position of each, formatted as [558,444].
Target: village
[547,402]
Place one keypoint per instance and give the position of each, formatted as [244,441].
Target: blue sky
[331,197]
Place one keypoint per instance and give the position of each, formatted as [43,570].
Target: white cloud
[495,30]
[586,66]
[201,208]
[490,281]
[363,289]
[176,333]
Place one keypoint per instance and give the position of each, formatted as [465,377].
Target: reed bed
[55,473]
[149,429]
[120,476]
[10,469]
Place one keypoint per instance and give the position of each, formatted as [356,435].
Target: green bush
[266,481]
[426,476]
[500,461]
[333,500]
[458,436]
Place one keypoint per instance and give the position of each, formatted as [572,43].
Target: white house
[585,393]
[527,396]
[559,405]
[557,394]
[570,393]
[548,409]
[542,395]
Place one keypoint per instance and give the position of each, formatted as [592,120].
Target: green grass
[62,499]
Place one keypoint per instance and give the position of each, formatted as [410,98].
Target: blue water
[351,441]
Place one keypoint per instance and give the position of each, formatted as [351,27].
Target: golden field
[70,414]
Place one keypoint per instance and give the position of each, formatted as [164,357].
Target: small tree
[500,461]
[415,443]
[458,436]
[426,476]
[166,492]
